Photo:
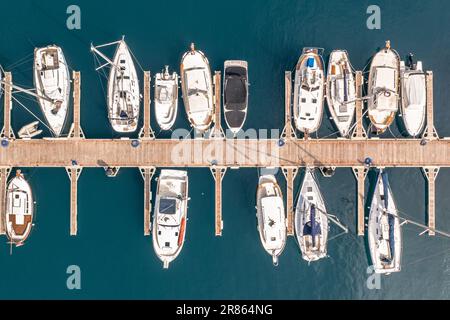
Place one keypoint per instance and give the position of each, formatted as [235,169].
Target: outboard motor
[410,61]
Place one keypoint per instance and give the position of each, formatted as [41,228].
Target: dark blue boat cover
[312,227]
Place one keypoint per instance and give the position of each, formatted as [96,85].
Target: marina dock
[218,153]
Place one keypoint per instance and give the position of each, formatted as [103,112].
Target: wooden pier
[218,153]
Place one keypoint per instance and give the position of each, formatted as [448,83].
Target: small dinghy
[123,88]
[384,230]
[166,98]
[309,90]
[30,130]
[196,85]
[311,222]
[271,216]
[383,88]
[235,94]
[414,96]
[341,91]
[52,82]
[19,210]
[170,217]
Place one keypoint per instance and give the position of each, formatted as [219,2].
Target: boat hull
[196,86]
[341,91]
[309,91]
[383,89]
[166,100]
[52,81]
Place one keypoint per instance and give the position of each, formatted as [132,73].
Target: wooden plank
[431,174]
[147,174]
[430,132]
[218,174]
[288,131]
[359,132]
[7,131]
[147,131]
[360,174]
[217,131]
[75,129]
[74,174]
[290,173]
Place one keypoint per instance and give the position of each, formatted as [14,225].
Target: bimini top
[235,95]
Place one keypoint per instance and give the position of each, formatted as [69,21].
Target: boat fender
[387,94]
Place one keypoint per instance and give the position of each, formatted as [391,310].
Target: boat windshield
[167,206]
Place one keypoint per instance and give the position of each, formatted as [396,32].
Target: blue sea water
[116,260]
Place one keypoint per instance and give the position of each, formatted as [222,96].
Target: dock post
[288,130]
[217,131]
[7,131]
[359,132]
[74,173]
[4,173]
[290,173]
[430,132]
[360,175]
[431,174]
[75,131]
[147,174]
[147,131]
[218,174]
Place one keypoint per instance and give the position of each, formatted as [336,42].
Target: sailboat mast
[445,234]
[27,91]
[336,222]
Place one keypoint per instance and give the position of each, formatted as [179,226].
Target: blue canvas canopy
[167,206]
[391,217]
[310,63]
[312,227]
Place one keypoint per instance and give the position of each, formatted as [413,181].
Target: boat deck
[218,153]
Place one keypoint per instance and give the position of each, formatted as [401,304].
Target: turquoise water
[116,260]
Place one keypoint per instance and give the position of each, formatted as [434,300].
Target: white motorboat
[196,86]
[384,230]
[309,90]
[235,94]
[52,82]
[383,88]
[271,216]
[170,217]
[123,88]
[310,220]
[19,210]
[30,130]
[166,98]
[414,96]
[341,91]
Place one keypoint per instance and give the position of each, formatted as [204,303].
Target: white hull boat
[309,91]
[384,230]
[310,220]
[341,91]
[196,85]
[414,97]
[235,94]
[30,130]
[383,88]
[19,210]
[271,216]
[166,98]
[170,217]
[52,82]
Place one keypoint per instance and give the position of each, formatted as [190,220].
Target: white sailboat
[19,210]
[196,85]
[341,91]
[383,88]
[123,88]
[271,216]
[310,220]
[52,82]
[384,230]
[170,217]
[414,97]
[309,90]
[166,98]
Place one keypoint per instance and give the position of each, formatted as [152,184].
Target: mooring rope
[35,116]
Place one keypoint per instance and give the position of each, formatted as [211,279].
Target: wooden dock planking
[359,132]
[147,173]
[4,173]
[430,132]
[217,130]
[147,131]
[218,174]
[288,131]
[75,129]
[7,131]
[431,174]
[360,175]
[290,173]
[74,173]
